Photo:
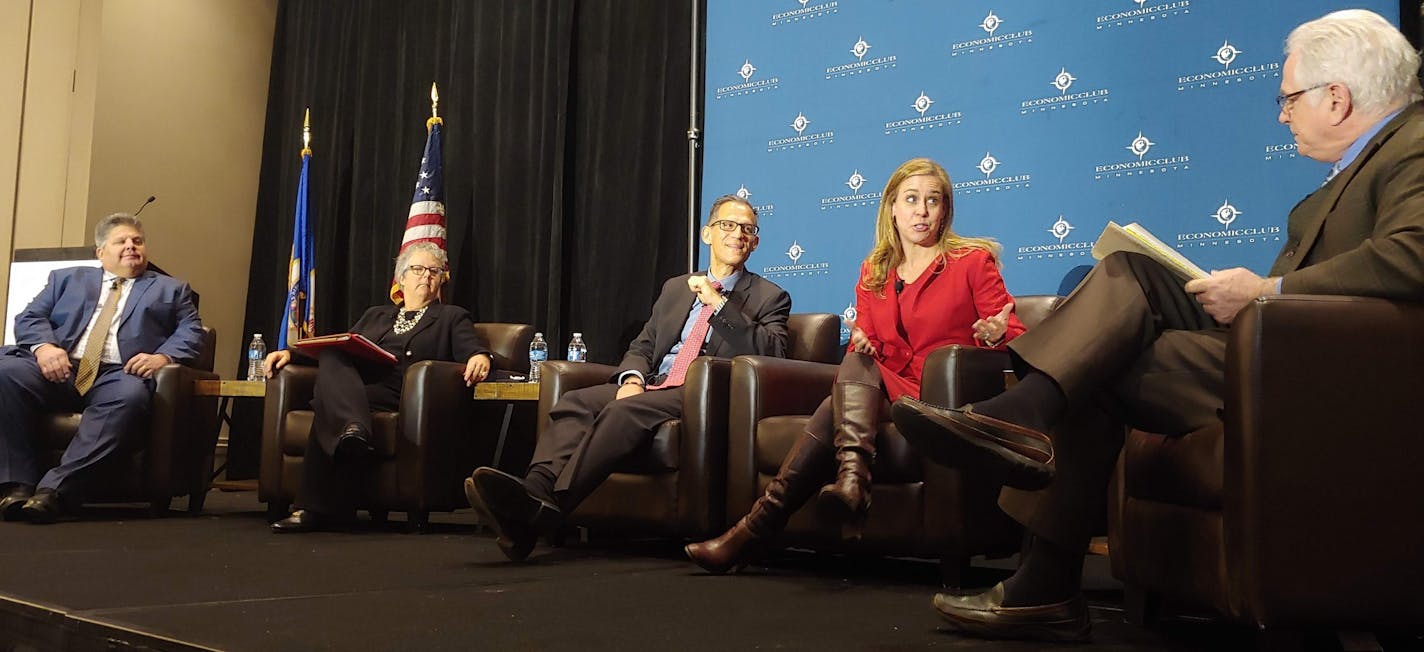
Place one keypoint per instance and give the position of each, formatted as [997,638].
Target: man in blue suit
[91,342]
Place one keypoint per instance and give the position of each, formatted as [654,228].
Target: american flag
[426,222]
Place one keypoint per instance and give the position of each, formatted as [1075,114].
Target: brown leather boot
[801,473]
[857,411]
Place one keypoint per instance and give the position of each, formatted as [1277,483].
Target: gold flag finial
[434,109]
[306,132]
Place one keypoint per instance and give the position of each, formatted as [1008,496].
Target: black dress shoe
[14,500]
[984,615]
[355,443]
[960,438]
[517,515]
[305,520]
[516,540]
[45,507]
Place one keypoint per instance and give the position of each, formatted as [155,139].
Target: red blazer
[937,309]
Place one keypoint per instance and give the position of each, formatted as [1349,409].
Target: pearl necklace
[404,324]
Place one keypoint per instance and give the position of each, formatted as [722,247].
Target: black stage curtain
[564,151]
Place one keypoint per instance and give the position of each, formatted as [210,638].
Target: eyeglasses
[422,270]
[729,226]
[1287,101]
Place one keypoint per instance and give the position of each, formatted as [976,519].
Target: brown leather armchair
[175,455]
[676,487]
[1300,508]
[919,509]
[428,446]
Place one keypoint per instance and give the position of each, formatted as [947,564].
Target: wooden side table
[227,390]
[511,393]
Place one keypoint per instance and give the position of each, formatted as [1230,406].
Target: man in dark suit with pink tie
[89,342]
[724,311]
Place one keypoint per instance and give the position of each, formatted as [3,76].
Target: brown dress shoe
[984,615]
[960,438]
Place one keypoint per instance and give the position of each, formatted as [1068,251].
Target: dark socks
[540,482]
[1049,573]
[1035,402]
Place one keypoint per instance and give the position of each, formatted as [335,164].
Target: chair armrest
[1321,457]
[558,377]
[437,428]
[289,389]
[764,387]
[182,430]
[955,375]
[702,455]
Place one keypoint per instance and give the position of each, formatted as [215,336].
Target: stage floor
[223,581]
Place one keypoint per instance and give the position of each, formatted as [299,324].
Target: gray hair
[729,199]
[1360,49]
[102,229]
[403,260]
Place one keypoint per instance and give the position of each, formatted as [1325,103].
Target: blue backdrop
[1051,117]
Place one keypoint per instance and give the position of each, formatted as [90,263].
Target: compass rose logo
[800,123]
[1063,80]
[1061,229]
[923,103]
[991,23]
[1226,53]
[795,252]
[743,193]
[1226,214]
[860,49]
[1140,145]
[988,164]
[849,314]
[855,181]
[747,70]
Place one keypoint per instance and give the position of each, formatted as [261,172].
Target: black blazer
[752,323]
[445,333]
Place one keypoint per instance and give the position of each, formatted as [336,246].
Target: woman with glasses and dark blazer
[349,389]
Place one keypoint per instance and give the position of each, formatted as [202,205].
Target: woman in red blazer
[922,287]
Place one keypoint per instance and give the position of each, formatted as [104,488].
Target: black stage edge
[121,581]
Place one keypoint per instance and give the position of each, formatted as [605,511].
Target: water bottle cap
[256,336]
[538,334]
[578,334]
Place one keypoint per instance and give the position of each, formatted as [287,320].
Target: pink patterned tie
[691,347]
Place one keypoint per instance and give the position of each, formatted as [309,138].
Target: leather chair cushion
[1185,470]
[57,429]
[661,456]
[895,461]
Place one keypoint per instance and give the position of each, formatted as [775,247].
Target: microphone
[145,204]
[899,285]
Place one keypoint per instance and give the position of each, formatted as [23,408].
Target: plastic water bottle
[538,353]
[256,351]
[578,351]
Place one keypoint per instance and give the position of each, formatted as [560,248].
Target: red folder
[353,344]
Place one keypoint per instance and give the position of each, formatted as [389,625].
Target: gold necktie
[94,346]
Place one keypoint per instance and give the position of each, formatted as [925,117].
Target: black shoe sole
[946,445]
[514,539]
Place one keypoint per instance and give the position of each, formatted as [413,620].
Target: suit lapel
[736,299]
[140,286]
[431,316]
[1313,218]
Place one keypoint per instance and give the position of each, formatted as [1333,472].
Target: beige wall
[131,98]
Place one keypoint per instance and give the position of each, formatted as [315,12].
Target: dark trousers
[113,406]
[1128,347]
[346,392]
[592,433]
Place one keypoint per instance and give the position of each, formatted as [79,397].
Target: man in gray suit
[1134,340]
[90,341]
[724,311]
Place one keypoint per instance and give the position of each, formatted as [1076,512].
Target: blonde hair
[888,254]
